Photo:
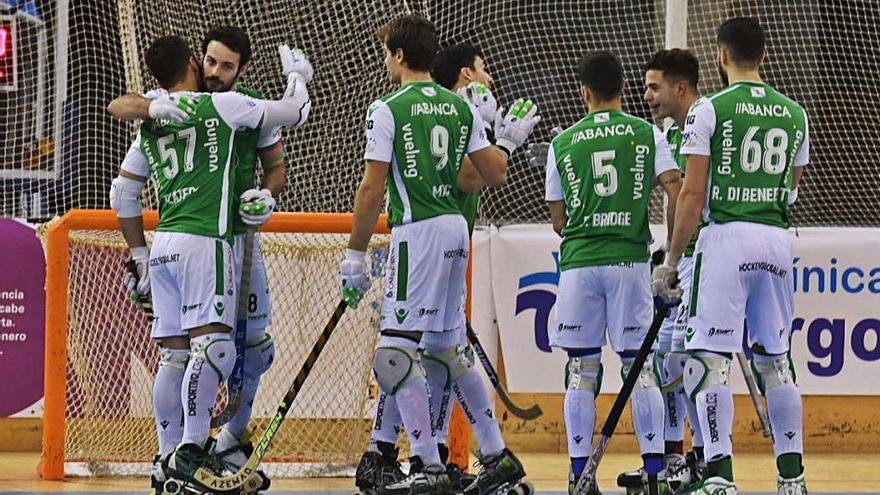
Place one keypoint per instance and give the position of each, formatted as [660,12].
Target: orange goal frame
[57,272]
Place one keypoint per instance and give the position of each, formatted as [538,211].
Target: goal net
[104,386]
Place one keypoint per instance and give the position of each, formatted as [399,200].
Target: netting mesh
[821,54]
[112,361]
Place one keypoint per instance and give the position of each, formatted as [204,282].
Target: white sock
[258,357]
[212,355]
[471,393]
[785,409]
[648,418]
[386,426]
[167,408]
[715,408]
[579,410]
[437,376]
[675,414]
[412,402]
[693,421]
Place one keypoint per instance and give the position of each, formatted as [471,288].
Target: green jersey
[423,131]
[192,163]
[248,143]
[673,139]
[602,168]
[754,136]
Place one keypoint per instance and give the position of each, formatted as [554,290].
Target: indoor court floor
[755,473]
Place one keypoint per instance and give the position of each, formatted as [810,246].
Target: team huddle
[729,165]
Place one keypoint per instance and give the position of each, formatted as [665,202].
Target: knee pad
[584,373]
[457,360]
[703,370]
[173,358]
[772,371]
[394,367]
[647,377]
[217,350]
[259,355]
[673,364]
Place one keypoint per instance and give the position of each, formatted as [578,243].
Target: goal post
[96,393]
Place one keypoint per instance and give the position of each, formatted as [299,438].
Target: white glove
[137,278]
[536,153]
[664,283]
[353,277]
[512,130]
[174,107]
[478,95]
[256,206]
[792,197]
[294,61]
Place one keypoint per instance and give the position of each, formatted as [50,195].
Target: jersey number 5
[602,168]
[169,155]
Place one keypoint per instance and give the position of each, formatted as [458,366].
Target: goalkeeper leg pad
[394,367]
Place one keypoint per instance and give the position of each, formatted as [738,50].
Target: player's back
[606,165]
[757,135]
[432,127]
[191,162]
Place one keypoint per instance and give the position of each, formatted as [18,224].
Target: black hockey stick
[589,473]
[530,413]
[236,379]
[237,479]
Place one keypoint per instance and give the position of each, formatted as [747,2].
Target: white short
[593,299]
[673,328]
[192,279]
[259,303]
[425,275]
[741,271]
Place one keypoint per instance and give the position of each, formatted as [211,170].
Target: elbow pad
[125,197]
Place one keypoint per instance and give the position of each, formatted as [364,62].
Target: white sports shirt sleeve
[698,129]
[802,158]
[268,137]
[238,110]
[380,133]
[478,139]
[554,181]
[663,161]
[135,162]
[155,93]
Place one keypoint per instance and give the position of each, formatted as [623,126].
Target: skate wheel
[172,487]
[523,488]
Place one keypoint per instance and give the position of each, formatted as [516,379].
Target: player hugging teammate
[201,150]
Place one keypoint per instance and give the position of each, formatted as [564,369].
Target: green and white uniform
[754,137]
[248,143]
[671,335]
[192,273]
[423,131]
[602,168]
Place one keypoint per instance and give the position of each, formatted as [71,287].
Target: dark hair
[233,38]
[416,36]
[167,59]
[451,60]
[676,65]
[745,39]
[601,72]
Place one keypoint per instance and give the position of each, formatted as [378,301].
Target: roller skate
[233,453]
[376,470]
[181,468]
[500,474]
[157,474]
[422,480]
[715,485]
[791,486]
[685,479]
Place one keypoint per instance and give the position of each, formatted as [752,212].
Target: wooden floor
[832,473]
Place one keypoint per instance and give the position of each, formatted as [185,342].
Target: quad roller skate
[236,456]
[376,470]
[180,474]
[500,474]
